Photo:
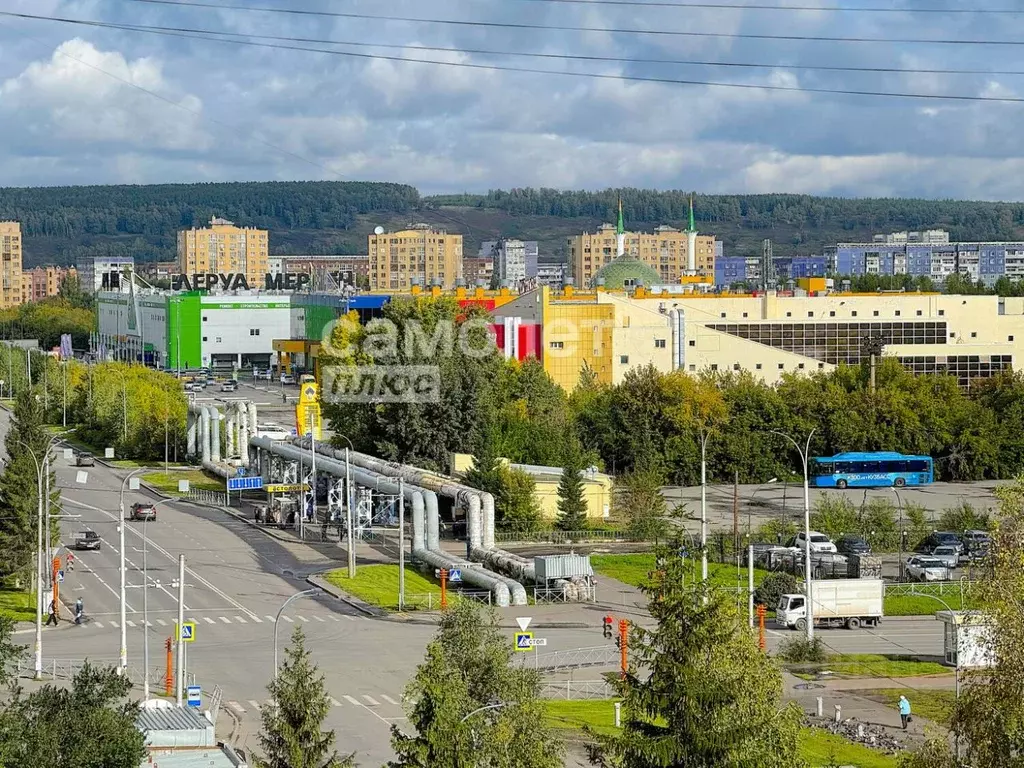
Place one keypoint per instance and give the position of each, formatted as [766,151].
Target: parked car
[921,568]
[229,386]
[949,555]
[938,539]
[143,511]
[87,540]
[84,459]
[196,386]
[287,378]
[976,544]
[853,545]
[819,542]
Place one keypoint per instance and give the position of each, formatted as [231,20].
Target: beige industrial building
[223,248]
[419,255]
[666,251]
[10,264]
[770,335]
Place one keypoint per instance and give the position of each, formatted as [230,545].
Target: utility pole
[350,518]
[736,515]
[401,543]
[180,677]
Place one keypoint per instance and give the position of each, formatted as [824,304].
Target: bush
[799,649]
[773,587]
[963,517]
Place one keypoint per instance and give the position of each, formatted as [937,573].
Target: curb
[353,602]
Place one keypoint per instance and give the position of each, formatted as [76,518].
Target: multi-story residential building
[351,270]
[10,264]
[478,270]
[934,236]
[42,282]
[419,255]
[158,270]
[551,274]
[94,274]
[224,248]
[986,261]
[510,262]
[666,250]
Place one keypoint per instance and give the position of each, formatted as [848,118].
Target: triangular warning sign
[523,622]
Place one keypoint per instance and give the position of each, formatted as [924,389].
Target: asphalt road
[237,578]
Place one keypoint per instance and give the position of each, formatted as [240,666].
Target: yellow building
[43,282]
[10,264]
[597,486]
[224,248]
[417,255]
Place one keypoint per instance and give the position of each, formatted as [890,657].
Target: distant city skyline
[85,105]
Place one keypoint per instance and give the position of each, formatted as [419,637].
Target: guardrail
[560,537]
[213,498]
[571,690]
[542,595]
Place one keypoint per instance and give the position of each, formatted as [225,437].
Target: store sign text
[235,281]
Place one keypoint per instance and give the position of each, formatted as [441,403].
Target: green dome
[625,271]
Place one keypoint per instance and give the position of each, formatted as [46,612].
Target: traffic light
[608,622]
[618,642]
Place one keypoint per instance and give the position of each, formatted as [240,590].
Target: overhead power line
[207,36]
[748,7]
[568,28]
[538,55]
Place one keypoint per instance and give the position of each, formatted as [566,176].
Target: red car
[142,511]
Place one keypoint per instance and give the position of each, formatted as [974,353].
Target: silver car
[949,555]
[928,568]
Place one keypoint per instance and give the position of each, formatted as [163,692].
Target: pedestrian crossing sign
[524,641]
[186,631]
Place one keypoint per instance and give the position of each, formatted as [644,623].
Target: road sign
[243,483]
[455,574]
[281,488]
[539,642]
[195,695]
[60,577]
[240,472]
[187,632]
[523,622]
[524,641]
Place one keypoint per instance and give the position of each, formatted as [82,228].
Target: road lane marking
[286,618]
[168,555]
[237,707]
[130,623]
[350,618]
[225,619]
[240,620]
[271,619]
[253,703]
[334,618]
[372,701]
[304,619]
[114,624]
[257,619]
[208,620]
[98,624]
[334,701]
[389,700]
[161,622]
[319,618]
[353,700]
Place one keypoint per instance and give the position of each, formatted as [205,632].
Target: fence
[543,595]
[432,600]
[933,588]
[560,537]
[213,498]
[577,658]
[570,690]
[66,669]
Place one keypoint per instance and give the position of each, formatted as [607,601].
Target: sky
[82,105]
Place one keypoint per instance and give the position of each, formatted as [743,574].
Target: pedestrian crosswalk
[253,707]
[232,619]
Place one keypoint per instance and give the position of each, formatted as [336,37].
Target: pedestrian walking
[905,712]
[52,619]
[79,611]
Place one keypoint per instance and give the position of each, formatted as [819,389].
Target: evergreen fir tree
[699,691]
[485,474]
[572,506]
[293,735]
[471,706]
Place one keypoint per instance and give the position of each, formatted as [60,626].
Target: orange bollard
[761,643]
[623,648]
[444,588]
[56,587]
[169,679]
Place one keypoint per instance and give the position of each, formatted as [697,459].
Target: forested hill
[63,224]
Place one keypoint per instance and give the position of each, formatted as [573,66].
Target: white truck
[836,603]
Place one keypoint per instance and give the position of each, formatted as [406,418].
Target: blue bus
[871,470]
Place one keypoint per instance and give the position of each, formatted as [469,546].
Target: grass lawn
[78,444]
[378,585]
[633,569]
[934,705]
[817,747]
[821,748]
[871,665]
[916,605]
[17,605]
[168,483]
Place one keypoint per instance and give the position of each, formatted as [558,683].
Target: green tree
[699,692]
[515,504]
[572,504]
[92,723]
[292,734]
[637,499]
[470,705]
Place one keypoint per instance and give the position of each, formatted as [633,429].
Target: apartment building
[43,282]
[224,248]
[418,255]
[10,264]
[666,251]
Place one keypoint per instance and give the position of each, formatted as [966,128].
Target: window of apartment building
[744,314]
[735,366]
[693,342]
[875,313]
[624,359]
[810,314]
[974,334]
[714,366]
[919,313]
[800,366]
[832,313]
[556,345]
[942,312]
[758,366]
[952,334]
[659,343]
[254,331]
[782,366]
[723,314]
[854,313]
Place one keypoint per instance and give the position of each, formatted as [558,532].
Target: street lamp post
[277,619]
[704,505]
[349,521]
[750,506]
[122,659]
[956,662]
[804,454]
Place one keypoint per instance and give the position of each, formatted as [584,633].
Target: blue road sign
[244,483]
[455,574]
[195,695]
[524,641]
[60,577]
[240,471]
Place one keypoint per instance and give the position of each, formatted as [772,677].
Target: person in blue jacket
[904,711]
